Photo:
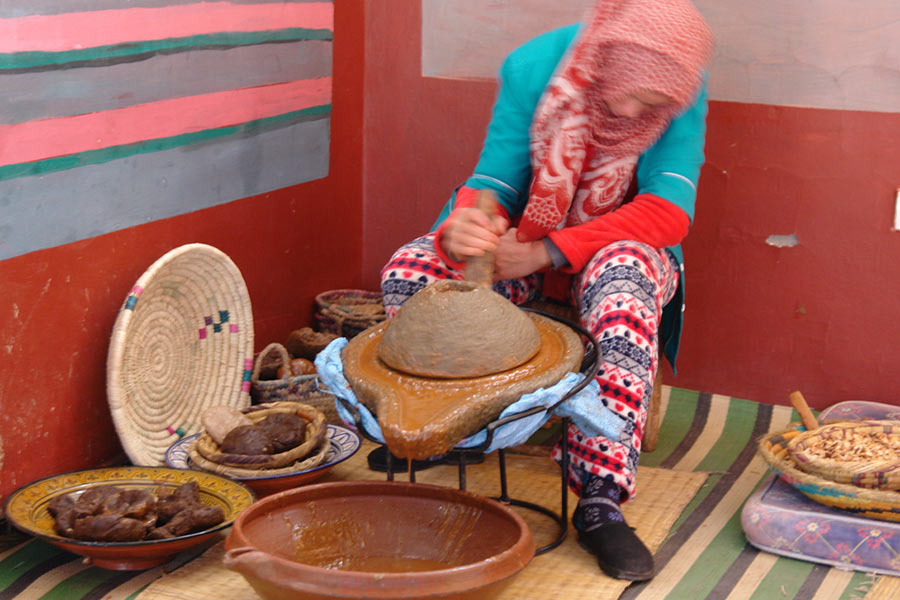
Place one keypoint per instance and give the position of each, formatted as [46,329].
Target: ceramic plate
[26,508]
[343,443]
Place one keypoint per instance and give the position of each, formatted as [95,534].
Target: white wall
[838,54]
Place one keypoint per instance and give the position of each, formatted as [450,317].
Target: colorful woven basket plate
[342,444]
[26,509]
[864,453]
[874,503]
[182,342]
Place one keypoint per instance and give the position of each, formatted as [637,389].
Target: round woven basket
[347,313]
[878,504]
[182,342]
[861,453]
[301,388]
[306,343]
[311,461]
[315,433]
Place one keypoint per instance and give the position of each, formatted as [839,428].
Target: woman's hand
[513,258]
[470,232]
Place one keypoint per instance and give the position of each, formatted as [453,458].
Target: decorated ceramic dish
[343,443]
[26,509]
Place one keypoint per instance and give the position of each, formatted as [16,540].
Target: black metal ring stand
[589,367]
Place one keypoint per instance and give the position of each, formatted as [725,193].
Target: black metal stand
[589,367]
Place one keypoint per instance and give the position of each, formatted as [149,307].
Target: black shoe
[378,460]
[620,553]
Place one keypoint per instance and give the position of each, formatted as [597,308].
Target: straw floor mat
[565,572]
[704,437]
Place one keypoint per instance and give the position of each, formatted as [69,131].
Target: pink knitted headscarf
[583,157]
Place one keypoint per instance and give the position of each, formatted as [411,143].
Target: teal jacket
[669,169]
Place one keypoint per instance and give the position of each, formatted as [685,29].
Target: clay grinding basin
[378,540]
[422,417]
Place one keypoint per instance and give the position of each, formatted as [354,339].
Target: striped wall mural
[831,54]
[111,117]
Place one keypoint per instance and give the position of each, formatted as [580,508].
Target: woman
[594,151]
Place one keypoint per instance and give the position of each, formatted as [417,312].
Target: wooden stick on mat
[800,405]
[480,269]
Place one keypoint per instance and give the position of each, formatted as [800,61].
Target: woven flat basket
[862,453]
[182,342]
[208,455]
[877,504]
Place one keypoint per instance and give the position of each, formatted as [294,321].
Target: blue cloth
[591,417]
[331,374]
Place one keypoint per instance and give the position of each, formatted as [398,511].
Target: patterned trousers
[619,294]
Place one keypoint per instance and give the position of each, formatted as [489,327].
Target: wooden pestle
[480,269]
[800,405]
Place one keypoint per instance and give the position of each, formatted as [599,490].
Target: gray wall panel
[39,95]
[66,206]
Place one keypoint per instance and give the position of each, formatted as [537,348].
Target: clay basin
[378,540]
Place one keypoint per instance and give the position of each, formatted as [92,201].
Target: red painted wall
[761,321]
[58,306]
[821,317]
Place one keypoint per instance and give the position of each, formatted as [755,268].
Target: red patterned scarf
[583,157]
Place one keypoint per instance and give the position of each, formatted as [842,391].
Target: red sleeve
[466,197]
[648,219]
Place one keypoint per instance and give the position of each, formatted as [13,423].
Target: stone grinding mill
[453,358]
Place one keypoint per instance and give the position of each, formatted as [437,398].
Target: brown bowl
[378,540]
